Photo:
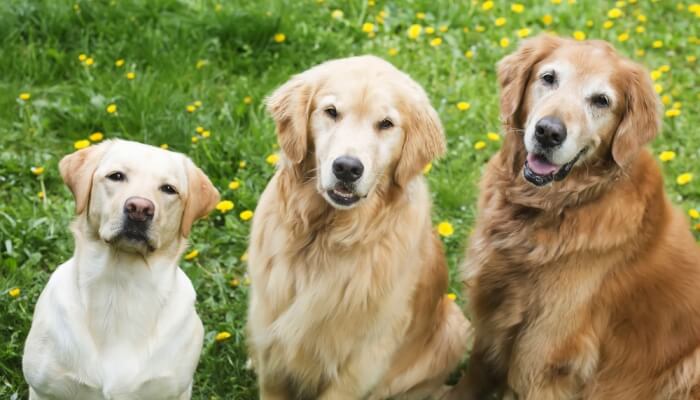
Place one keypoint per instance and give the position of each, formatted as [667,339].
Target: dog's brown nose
[139,209]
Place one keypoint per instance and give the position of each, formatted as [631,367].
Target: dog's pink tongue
[539,165]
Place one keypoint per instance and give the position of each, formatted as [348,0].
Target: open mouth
[540,171]
[342,195]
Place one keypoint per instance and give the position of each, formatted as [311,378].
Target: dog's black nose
[139,209]
[348,169]
[550,132]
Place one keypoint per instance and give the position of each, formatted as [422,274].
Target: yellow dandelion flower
[445,229]
[667,155]
[111,108]
[589,23]
[420,15]
[620,4]
[164,146]
[14,292]
[119,63]
[443,28]
[463,106]
[579,35]
[41,195]
[429,30]
[96,136]
[222,336]
[504,42]
[199,129]
[206,134]
[657,44]
[131,75]
[272,159]
[547,19]
[234,184]
[37,170]
[658,88]
[234,283]
[201,64]
[414,31]
[479,28]
[195,139]
[248,100]
[197,103]
[487,5]
[393,51]
[672,113]
[427,168]
[517,8]
[665,68]
[640,29]
[246,215]
[191,108]
[192,255]
[523,33]
[623,37]
[82,57]
[242,164]
[367,27]
[677,105]
[655,75]
[279,37]
[337,14]
[639,52]
[693,213]
[608,24]
[684,179]
[89,61]
[244,257]
[666,99]
[493,136]
[452,296]
[614,13]
[25,96]
[691,59]
[500,21]
[436,42]
[556,1]
[480,145]
[642,18]
[225,206]
[81,144]
[469,54]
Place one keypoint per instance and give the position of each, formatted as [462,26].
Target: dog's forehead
[150,160]
[586,59]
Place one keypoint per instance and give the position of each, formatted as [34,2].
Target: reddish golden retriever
[584,280]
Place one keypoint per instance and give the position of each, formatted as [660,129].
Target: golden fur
[587,288]
[349,304]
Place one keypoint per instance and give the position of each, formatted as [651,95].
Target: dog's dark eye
[116,176]
[331,112]
[600,100]
[549,78]
[386,124]
[169,189]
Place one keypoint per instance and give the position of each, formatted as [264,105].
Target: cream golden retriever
[117,320]
[348,278]
[584,280]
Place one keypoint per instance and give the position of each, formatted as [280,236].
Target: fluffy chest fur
[325,286]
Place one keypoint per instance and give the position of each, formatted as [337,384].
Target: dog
[117,320]
[583,279]
[347,298]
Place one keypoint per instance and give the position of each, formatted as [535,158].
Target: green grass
[162,41]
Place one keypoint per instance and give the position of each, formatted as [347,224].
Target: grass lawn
[169,67]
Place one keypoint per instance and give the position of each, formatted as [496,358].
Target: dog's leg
[427,375]
[482,379]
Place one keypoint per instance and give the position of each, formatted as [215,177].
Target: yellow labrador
[348,276]
[117,320]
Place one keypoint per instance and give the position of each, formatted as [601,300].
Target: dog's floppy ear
[424,141]
[77,170]
[202,197]
[514,73]
[641,118]
[290,106]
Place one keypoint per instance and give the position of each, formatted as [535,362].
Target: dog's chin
[131,241]
[342,197]
[539,171]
